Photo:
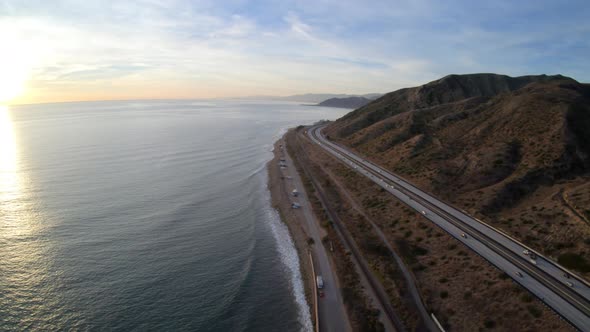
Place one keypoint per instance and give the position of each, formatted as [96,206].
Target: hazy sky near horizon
[68,50]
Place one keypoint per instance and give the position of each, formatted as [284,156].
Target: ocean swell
[290,258]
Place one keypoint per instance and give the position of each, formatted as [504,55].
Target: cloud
[238,27]
[300,29]
[211,48]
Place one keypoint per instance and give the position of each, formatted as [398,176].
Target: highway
[332,313]
[567,295]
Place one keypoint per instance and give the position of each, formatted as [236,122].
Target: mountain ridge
[454,88]
[313,97]
[348,102]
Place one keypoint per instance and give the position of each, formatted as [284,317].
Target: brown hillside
[514,151]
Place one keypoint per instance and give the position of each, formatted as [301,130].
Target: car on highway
[463,235]
[319,282]
[569,284]
[423,212]
[519,274]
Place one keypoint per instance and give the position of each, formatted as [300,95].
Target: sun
[12,81]
[15,66]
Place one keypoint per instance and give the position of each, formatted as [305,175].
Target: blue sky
[88,50]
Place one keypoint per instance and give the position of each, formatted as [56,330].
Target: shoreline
[281,202]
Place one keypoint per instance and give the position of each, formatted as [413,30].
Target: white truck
[319,281]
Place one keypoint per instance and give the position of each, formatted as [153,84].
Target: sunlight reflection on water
[16,217]
[20,248]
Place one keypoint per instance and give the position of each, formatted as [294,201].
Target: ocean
[146,215]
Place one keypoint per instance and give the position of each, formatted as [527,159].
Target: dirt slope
[513,151]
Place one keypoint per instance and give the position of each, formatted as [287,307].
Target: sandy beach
[280,190]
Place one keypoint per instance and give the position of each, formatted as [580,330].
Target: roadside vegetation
[464,291]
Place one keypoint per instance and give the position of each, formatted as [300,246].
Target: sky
[66,50]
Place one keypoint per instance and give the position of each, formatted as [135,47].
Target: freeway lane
[545,279]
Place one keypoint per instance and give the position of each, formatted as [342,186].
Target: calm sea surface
[146,215]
